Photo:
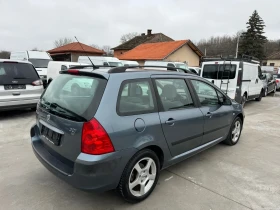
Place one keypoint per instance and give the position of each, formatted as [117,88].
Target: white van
[130,63]
[240,79]
[39,60]
[55,67]
[167,64]
[100,60]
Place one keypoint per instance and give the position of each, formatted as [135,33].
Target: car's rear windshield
[73,97]
[10,71]
[39,63]
[219,71]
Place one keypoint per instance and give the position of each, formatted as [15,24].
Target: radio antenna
[85,51]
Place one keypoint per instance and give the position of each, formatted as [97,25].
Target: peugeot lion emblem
[72,131]
[48,117]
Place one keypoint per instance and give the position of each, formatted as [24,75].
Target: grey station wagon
[116,128]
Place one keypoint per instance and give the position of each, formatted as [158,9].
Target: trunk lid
[68,102]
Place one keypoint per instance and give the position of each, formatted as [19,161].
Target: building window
[272,64]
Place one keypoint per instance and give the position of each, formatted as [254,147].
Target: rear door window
[219,71]
[135,97]
[20,72]
[74,97]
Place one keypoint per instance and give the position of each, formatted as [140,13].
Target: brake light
[10,62]
[277,81]
[37,83]
[95,140]
[73,71]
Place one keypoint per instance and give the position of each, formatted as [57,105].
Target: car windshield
[63,93]
[115,63]
[39,63]
[219,71]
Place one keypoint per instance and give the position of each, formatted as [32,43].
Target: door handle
[170,121]
[209,114]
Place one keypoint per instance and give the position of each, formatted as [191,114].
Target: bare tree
[128,36]
[62,41]
[95,46]
[5,54]
[107,50]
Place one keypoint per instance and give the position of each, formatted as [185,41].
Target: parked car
[100,60]
[39,60]
[239,78]
[130,63]
[20,85]
[195,70]
[122,130]
[54,67]
[277,80]
[269,84]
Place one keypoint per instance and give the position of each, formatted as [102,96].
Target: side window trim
[140,112]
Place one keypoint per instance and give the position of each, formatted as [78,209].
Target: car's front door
[217,114]
[181,119]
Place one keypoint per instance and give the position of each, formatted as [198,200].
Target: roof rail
[246,58]
[121,69]
[87,66]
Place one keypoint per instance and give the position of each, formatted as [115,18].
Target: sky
[26,24]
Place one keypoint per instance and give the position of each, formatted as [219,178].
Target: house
[273,59]
[141,39]
[71,52]
[181,51]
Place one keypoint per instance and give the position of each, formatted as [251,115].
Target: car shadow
[14,114]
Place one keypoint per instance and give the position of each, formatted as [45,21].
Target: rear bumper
[20,104]
[88,172]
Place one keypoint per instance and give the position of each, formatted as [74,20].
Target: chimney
[149,32]
[143,34]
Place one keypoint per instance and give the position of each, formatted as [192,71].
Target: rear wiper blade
[183,106]
[72,114]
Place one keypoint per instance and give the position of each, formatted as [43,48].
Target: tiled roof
[141,39]
[76,47]
[157,51]
[275,55]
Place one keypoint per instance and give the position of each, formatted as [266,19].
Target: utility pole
[237,46]
[205,53]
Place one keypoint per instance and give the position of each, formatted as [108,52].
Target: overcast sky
[25,24]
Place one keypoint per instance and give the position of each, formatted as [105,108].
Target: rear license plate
[14,87]
[51,135]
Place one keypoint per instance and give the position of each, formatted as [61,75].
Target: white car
[100,60]
[20,85]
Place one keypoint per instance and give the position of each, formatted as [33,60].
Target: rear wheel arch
[158,152]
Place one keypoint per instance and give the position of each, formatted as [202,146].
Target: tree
[107,50]
[5,54]
[95,46]
[252,41]
[63,41]
[128,36]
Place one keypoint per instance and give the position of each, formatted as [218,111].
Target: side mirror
[63,68]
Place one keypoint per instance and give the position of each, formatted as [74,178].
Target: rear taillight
[73,71]
[37,83]
[95,140]
[277,81]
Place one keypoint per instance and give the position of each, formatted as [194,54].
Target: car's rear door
[181,119]
[217,116]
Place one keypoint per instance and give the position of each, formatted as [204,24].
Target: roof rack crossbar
[87,66]
[121,69]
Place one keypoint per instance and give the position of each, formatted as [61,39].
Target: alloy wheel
[236,131]
[142,177]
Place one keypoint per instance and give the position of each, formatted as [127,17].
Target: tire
[230,140]
[244,99]
[133,192]
[265,92]
[260,96]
